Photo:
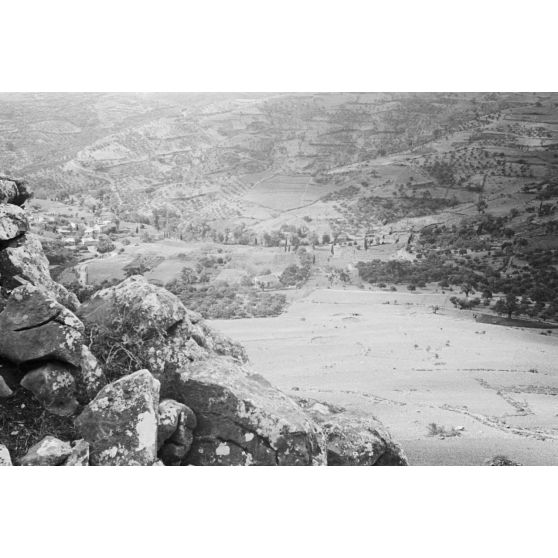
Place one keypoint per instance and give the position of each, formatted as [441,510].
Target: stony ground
[493,389]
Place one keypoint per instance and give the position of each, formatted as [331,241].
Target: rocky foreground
[132,377]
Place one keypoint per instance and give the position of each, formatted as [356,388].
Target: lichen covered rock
[352,439]
[49,451]
[54,386]
[152,321]
[23,259]
[13,191]
[242,419]
[36,327]
[80,454]
[89,376]
[13,222]
[120,424]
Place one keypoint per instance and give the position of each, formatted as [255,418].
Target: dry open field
[285,192]
[410,367]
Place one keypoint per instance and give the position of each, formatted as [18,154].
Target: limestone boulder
[49,451]
[53,384]
[35,326]
[5,459]
[152,321]
[120,424]
[242,419]
[23,260]
[353,439]
[13,222]
[156,308]
[13,191]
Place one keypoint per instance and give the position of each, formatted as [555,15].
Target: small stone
[170,414]
[5,390]
[80,454]
[54,386]
[49,451]
[5,459]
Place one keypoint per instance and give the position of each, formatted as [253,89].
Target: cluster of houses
[75,233]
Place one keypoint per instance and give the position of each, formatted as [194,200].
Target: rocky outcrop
[5,459]
[215,411]
[152,321]
[22,260]
[49,451]
[37,327]
[351,439]
[47,338]
[242,418]
[13,191]
[13,222]
[120,424]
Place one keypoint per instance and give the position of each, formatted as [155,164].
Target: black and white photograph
[279,279]
[274,253]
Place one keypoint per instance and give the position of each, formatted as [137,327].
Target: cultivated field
[284,192]
[492,388]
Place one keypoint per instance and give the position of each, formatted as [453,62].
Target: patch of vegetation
[465,303]
[529,289]
[222,301]
[86,292]
[24,422]
[442,432]
[501,461]
[297,275]
[373,209]
[58,253]
[105,244]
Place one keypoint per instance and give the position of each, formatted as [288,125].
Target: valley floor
[387,354]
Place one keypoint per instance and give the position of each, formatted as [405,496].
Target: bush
[105,244]
[442,432]
[464,303]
